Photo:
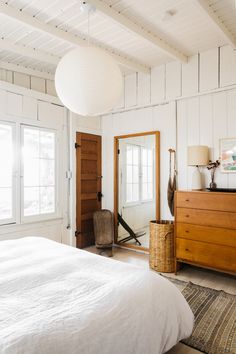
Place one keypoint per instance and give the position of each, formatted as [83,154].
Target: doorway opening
[88,186]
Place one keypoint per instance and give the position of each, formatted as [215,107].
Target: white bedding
[55,299]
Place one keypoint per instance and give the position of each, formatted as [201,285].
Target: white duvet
[55,299]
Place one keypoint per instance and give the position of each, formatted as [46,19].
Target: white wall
[160,118]
[193,103]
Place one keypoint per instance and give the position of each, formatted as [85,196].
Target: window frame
[57,212]
[12,220]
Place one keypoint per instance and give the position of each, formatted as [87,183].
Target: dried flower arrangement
[212,166]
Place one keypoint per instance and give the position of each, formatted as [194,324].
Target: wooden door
[88,186]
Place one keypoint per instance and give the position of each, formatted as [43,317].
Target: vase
[213,185]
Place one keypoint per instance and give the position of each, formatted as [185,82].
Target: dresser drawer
[206,217]
[209,255]
[207,200]
[208,234]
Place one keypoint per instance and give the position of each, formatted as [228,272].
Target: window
[7,188]
[39,171]
[147,173]
[30,162]
[139,176]
[132,173]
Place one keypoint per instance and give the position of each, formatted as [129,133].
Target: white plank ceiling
[188,29]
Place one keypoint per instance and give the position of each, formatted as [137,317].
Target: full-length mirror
[136,188]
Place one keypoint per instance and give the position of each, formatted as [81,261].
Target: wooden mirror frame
[116,180]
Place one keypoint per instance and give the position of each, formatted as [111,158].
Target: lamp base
[197,180]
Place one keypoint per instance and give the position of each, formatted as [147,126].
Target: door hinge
[118,151]
[77,146]
[77,233]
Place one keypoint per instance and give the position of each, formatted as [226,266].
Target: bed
[56,299]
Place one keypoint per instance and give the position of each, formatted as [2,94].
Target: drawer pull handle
[187,232]
[186,249]
[187,216]
[187,200]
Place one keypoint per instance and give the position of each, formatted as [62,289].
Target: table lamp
[198,155]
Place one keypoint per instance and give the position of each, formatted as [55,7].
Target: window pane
[31,172]
[135,174]
[150,191]
[135,155]
[39,171]
[150,157]
[144,191]
[135,192]
[31,143]
[5,203]
[145,174]
[144,156]
[6,172]
[129,177]
[150,174]
[47,148]
[129,193]
[47,200]
[31,201]
[129,155]
[47,177]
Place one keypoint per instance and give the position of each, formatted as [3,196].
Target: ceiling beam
[24,70]
[230,39]
[55,32]
[139,30]
[28,52]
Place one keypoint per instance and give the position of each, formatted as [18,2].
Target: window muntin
[39,169]
[7,186]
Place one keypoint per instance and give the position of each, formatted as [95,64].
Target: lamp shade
[198,155]
[88,81]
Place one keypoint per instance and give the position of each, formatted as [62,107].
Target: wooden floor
[198,276]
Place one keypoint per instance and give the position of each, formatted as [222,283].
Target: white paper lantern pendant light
[88,80]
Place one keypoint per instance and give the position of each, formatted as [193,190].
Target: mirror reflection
[136,186]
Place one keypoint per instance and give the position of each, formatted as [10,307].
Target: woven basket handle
[165,236]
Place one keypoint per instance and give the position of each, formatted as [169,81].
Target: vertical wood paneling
[231,106]
[190,76]
[227,66]
[14,104]
[206,130]
[144,86]
[193,133]
[130,90]
[158,84]
[173,80]
[209,70]
[164,121]
[121,102]
[21,80]
[38,84]
[219,131]
[3,101]
[182,135]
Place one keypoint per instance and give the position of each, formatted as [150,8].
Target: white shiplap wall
[203,115]
[32,82]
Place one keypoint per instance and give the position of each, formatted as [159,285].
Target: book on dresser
[205,229]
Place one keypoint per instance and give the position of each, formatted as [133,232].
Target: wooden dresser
[205,229]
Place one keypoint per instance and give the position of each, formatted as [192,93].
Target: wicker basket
[161,250]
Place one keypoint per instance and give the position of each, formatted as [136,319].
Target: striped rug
[215,319]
